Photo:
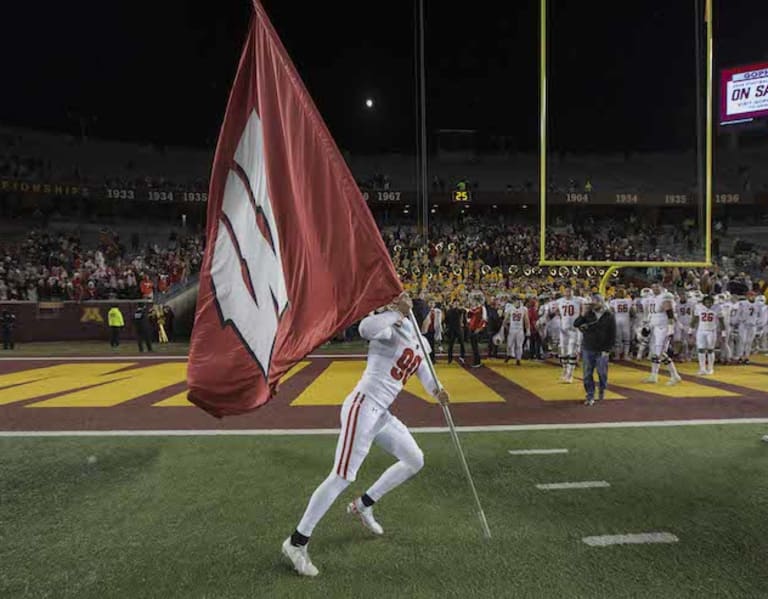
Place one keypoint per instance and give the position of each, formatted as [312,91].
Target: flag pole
[452,430]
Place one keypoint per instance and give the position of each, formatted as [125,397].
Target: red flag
[293,254]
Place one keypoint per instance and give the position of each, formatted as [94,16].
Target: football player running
[662,321]
[394,355]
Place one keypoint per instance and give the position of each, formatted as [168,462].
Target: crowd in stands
[55,266]
[494,256]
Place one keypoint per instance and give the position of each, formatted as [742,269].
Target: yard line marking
[631,539]
[335,431]
[586,484]
[536,451]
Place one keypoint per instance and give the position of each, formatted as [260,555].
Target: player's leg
[654,347]
[701,349]
[518,345]
[674,377]
[710,347]
[748,342]
[563,354]
[619,343]
[510,345]
[574,343]
[359,420]
[395,439]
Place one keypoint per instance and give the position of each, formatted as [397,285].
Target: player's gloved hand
[442,397]
[670,330]
[605,354]
[404,304]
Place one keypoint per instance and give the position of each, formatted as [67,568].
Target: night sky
[622,74]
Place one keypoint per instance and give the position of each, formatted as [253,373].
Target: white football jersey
[707,318]
[748,313]
[517,318]
[656,308]
[684,311]
[762,320]
[621,308]
[394,356]
[569,310]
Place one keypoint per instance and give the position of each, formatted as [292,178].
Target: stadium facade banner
[103,192]
[605,198]
[293,253]
[380,196]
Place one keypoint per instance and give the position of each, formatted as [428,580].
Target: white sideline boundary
[536,451]
[584,484]
[335,431]
[642,538]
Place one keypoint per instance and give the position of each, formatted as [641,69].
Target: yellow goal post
[543,112]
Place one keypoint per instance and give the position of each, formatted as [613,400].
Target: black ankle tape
[367,501]
[298,539]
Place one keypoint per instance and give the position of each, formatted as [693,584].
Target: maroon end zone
[520,408]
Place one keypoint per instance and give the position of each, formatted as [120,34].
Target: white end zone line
[642,538]
[335,431]
[536,451]
[585,484]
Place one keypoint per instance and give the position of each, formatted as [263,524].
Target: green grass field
[129,348]
[204,517]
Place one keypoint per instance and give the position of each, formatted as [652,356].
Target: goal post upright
[543,138]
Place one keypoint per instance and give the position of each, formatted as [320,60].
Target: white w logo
[247,271]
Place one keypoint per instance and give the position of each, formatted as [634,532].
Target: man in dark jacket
[143,327]
[8,322]
[454,330]
[599,327]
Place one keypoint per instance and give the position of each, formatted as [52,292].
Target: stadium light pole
[700,59]
[422,146]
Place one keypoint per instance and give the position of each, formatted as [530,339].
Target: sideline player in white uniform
[662,321]
[705,321]
[394,355]
[761,338]
[516,321]
[569,309]
[723,304]
[623,310]
[748,312]
[643,333]
[684,310]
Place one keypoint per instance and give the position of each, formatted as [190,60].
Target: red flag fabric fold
[293,254]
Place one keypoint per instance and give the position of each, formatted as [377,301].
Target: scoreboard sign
[744,94]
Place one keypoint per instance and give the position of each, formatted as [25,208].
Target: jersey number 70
[406,365]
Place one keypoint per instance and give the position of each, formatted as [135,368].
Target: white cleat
[299,558]
[356,508]
[765,438]
[674,381]
[710,372]
[652,379]
[702,373]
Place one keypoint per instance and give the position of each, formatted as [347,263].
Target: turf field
[204,517]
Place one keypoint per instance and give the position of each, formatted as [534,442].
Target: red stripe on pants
[352,439]
[346,433]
